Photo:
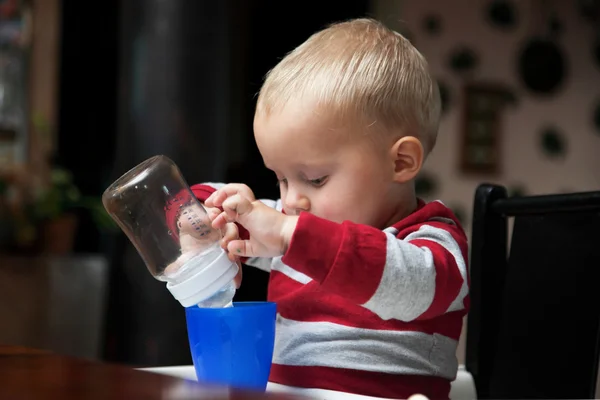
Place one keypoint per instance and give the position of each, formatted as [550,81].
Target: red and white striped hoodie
[369,311]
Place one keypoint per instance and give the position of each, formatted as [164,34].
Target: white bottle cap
[207,281]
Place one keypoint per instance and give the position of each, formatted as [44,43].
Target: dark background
[146,77]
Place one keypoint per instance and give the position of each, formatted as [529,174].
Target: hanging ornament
[463,60]
[589,10]
[597,118]
[553,143]
[408,35]
[511,98]
[596,51]
[459,213]
[444,96]
[542,66]
[502,14]
[432,24]
[516,190]
[555,26]
[425,185]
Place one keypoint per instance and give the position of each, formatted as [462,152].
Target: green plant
[62,196]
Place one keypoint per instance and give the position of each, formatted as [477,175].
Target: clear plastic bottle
[171,230]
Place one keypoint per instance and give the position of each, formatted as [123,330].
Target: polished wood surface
[27,373]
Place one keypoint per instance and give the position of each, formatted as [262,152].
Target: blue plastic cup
[233,346]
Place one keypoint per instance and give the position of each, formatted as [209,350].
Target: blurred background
[89,89]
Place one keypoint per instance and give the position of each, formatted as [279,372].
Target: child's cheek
[328,210]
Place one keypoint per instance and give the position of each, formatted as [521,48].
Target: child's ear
[408,156]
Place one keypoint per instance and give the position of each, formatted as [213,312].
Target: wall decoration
[15,27]
[516,190]
[502,14]
[556,27]
[541,66]
[432,24]
[597,118]
[463,59]
[589,10]
[408,36]
[425,185]
[511,98]
[596,51]
[481,141]
[459,213]
[444,95]
[553,142]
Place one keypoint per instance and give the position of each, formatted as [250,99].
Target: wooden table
[27,373]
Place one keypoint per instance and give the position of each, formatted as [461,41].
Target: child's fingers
[217,198]
[235,206]
[242,248]
[231,233]
[220,221]
[212,212]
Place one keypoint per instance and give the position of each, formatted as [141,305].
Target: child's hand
[230,233]
[218,196]
[270,231]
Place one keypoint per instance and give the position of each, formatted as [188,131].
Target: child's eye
[318,182]
[282,181]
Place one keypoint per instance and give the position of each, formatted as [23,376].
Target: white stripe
[261,263]
[278,265]
[392,231]
[444,220]
[445,239]
[327,344]
[407,285]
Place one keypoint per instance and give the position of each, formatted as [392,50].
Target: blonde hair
[359,68]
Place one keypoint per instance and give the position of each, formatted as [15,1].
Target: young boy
[371,282]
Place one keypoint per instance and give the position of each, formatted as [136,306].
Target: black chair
[534,325]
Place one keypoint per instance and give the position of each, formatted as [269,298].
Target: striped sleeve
[419,276]
[204,190]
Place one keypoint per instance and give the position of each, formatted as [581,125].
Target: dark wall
[275,28]
[179,78]
[267,31]
[87,111]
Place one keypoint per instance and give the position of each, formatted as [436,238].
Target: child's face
[335,173]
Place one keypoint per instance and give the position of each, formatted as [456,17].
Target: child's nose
[296,202]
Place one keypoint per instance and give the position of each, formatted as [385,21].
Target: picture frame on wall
[15,24]
[480,150]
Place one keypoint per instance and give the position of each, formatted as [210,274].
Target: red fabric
[335,255]
[447,282]
[202,192]
[346,263]
[349,259]
[294,299]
